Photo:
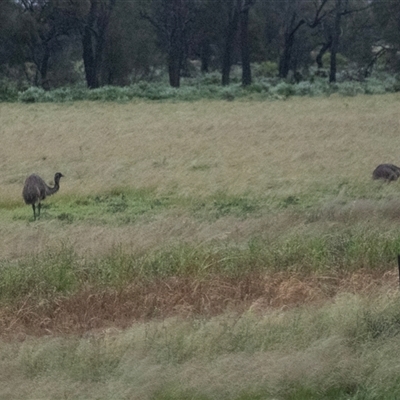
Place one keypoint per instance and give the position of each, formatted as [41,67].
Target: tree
[11,50]
[230,35]
[208,32]
[245,47]
[294,14]
[42,27]
[93,30]
[237,17]
[130,51]
[341,8]
[173,21]
[387,17]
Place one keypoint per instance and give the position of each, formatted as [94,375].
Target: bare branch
[318,16]
[153,22]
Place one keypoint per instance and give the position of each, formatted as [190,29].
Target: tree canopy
[52,43]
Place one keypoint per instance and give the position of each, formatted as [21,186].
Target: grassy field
[201,250]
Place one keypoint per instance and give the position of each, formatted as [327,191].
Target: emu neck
[52,190]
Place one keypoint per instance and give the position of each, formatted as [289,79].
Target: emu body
[388,172]
[35,190]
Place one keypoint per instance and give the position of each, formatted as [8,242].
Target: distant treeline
[56,43]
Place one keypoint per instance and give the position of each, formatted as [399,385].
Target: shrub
[230,92]
[261,85]
[341,60]
[108,93]
[31,95]
[284,89]
[350,88]
[212,78]
[8,91]
[374,86]
[303,88]
[208,86]
[265,69]
[322,87]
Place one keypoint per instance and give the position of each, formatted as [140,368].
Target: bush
[350,88]
[261,85]
[108,93]
[212,78]
[374,86]
[208,86]
[284,89]
[303,88]
[8,91]
[341,60]
[265,69]
[31,95]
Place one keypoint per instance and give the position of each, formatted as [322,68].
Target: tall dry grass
[199,148]
[347,349]
[317,153]
[194,209]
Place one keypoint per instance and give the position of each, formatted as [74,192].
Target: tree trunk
[230,39]
[93,40]
[174,69]
[284,61]
[44,67]
[244,30]
[89,59]
[205,54]
[321,53]
[175,55]
[335,41]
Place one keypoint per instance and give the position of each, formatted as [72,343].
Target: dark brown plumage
[387,172]
[35,190]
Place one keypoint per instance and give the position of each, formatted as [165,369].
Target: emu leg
[39,205]
[34,211]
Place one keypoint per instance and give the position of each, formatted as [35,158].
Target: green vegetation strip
[120,206]
[322,232]
[203,87]
[61,271]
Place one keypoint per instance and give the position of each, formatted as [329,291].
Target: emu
[388,172]
[35,190]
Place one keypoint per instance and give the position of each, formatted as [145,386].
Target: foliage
[8,91]
[62,272]
[341,61]
[32,95]
[45,40]
[267,68]
[207,87]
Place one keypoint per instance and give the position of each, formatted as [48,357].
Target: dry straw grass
[274,149]
[94,309]
[336,351]
[189,150]
[232,334]
[198,148]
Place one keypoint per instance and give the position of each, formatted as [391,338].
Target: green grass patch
[61,271]
[221,205]
[117,206]
[329,230]
[125,206]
